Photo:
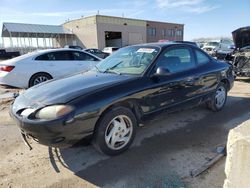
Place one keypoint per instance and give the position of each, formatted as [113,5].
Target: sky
[202,18]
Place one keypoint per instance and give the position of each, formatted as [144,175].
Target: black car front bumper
[55,133]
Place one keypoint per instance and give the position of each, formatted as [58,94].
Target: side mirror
[161,71]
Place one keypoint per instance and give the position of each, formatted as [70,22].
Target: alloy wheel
[118,133]
[40,79]
[220,97]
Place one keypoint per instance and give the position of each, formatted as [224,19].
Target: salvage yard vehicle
[37,67]
[108,102]
[210,47]
[240,57]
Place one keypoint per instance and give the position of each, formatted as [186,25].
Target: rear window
[81,56]
[201,58]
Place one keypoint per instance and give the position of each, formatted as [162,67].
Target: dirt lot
[163,154]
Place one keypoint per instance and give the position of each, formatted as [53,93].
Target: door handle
[192,80]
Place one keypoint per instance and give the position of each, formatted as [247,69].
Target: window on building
[163,32]
[179,33]
[172,32]
[152,31]
[169,32]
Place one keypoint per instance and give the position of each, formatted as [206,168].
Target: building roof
[122,18]
[23,29]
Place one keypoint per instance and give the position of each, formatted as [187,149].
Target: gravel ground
[165,150]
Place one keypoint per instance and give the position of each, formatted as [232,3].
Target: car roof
[165,44]
[58,49]
[110,47]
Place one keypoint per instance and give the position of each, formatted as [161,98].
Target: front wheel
[219,98]
[115,131]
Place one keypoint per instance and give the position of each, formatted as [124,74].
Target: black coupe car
[108,102]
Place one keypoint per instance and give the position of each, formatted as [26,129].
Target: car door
[58,63]
[179,85]
[84,61]
[207,75]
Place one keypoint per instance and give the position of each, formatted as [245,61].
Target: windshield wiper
[110,69]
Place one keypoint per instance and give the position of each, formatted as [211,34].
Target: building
[100,31]
[96,31]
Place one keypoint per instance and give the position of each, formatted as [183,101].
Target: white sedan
[33,68]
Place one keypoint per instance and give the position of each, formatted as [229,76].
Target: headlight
[53,112]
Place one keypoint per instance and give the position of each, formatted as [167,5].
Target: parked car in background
[33,68]
[240,57]
[209,47]
[226,46]
[73,47]
[219,47]
[110,50]
[109,102]
[188,42]
[97,52]
[8,55]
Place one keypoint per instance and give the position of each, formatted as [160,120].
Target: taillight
[6,68]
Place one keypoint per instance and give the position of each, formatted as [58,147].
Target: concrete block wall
[85,31]
[238,159]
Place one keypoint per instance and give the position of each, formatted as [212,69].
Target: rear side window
[62,56]
[55,56]
[201,58]
[81,56]
[43,57]
[176,59]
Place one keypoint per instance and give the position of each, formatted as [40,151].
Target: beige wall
[161,25]
[85,31]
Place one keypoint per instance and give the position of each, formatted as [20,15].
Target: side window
[176,59]
[89,57]
[43,57]
[55,56]
[201,57]
[60,56]
[80,56]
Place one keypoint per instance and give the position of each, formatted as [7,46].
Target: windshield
[213,44]
[128,60]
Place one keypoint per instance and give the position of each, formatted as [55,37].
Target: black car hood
[241,37]
[68,88]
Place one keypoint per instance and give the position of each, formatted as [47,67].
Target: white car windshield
[129,60]
[216,44]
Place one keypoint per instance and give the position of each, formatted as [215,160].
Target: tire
[39,78]
[219,98]
[112,139]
